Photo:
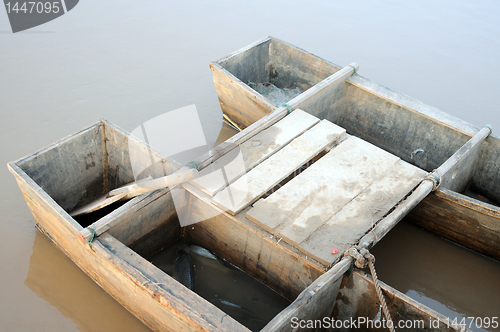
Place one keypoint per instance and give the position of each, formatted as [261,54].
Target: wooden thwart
[356,218]
[273,170]
[232,165]
[307,201]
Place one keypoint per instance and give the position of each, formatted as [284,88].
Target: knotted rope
[288,108]
[362,258]
[435,178]
[92,236]
[354,68]
[194,164]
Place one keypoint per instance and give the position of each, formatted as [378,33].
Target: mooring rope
[362,258]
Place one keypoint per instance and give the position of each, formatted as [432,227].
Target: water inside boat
[448,278]
[230,289]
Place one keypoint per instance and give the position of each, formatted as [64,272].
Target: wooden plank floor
[307,201]
[358,217]
[253,152]
[335,201]
[251,186]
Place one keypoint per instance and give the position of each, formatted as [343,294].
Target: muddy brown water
[242,297]
[130,63]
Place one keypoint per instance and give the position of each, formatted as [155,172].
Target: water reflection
[448,278]
[56,279]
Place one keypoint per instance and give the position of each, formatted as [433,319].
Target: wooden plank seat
[331,204]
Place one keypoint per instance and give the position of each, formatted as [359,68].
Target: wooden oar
[186,174]
[137,188]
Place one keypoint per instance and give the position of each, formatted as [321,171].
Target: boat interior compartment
[283,208]
[358,301]
[254,71]
[83,168]
[418,134]
[284,271]
[291,201]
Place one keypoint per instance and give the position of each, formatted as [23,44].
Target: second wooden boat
[417,133]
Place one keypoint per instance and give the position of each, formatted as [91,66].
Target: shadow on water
[448,278]
[73,293]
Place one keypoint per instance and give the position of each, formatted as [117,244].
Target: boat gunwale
[163,292]
[270,39]
[421,108]
[15,167]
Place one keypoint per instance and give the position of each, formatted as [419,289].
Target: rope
[435,178]
[354,68]
[288,108]
[92,236]
[194,164]
[362,258]
[491,130]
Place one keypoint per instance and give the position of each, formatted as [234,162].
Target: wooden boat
[417,133]
[113,249]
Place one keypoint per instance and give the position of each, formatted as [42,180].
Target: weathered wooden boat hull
[97,157]
[409,129]
[358,300]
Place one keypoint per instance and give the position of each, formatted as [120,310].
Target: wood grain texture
[238,100]
[249,248]
[154,310]
[273,170]
[232,165]
[315,302]
[346,227]
[294,67]
[72,171]
[302,205]
[461,219]
[457,170]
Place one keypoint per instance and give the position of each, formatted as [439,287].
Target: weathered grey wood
[302,205]
[260,62]
[142,218]
[263,122]
[345,228]
[402,125]
[253,151]
[358,301]
[315,302]
[73,171]
[486,176]
[249,248]
[460,157]
[253,109]
[296,67]
[97,262]
[461,219]
[457,170]
[273,170]
[185,305]
[328,84]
